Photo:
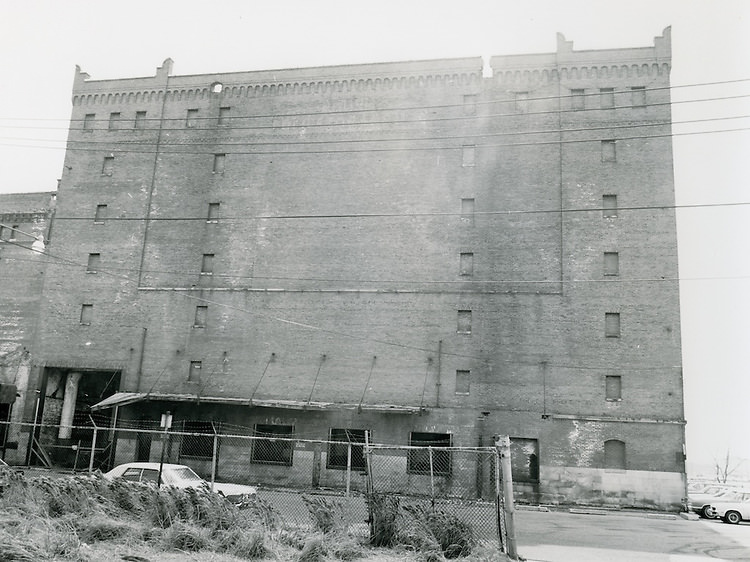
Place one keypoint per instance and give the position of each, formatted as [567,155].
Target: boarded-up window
[194,375]
[207,264]
[93,264]
[219,163]
[468,156]
[213,212]
[467,210]
[612,324]
[470,104]
[614,455]
[613,387]
[607,98]
[577,99]
[87,313]
[463,381]
[346,442]
[114,121]
[108,166]
[192,118]
[611,263]
[429,460]
[609,154]
[201,313]
[466,264]
[273,448]
[609,205]
[638,94]
[524,459]
[464,322]
[521,102]
[140,120]
[224,115]
[100,214]
[88,121]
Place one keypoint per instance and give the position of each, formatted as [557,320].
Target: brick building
[25,226]
[433,251]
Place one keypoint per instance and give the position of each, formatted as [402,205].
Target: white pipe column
[69,405]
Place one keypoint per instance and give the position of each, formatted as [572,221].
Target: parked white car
[181,476]
[732,508]
[700,502]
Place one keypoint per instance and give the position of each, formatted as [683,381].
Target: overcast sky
[42,41]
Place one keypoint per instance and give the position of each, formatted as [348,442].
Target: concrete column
[69,405]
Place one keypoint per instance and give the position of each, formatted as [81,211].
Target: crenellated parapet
[568,64]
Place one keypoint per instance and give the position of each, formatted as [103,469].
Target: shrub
[243,543]
[384,512]
[314,551]
[324,513]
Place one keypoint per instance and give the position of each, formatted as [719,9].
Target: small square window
[607,98]
[578,99]
[194,375]
[140,120]
[611,263]
[429,459]
[521,102]
[87,314]
[276,446]
[100,214]
[88,121]
[191,119]
[114,121]
[93,264]
[468,156]
[466,264]
[219,162]
[201,313]
[613,387]
[213,212]
[463,381]
[608,151]
[207,264]
[638,94]
[612,324]
[464,322]
[224,115]
[108,166]
[609,206]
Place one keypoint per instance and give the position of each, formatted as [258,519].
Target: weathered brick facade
[484,254]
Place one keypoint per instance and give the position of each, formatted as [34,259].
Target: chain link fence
[345,471]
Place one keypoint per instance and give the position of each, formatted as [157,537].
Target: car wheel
[732,517]
[708,512]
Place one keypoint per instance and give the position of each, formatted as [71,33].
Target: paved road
[568,537]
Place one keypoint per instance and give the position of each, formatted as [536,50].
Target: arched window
[614,454]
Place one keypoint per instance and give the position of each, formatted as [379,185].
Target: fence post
[214,456]
[502,445]
[432,478]
[348,468]
[93,448]
[369,484]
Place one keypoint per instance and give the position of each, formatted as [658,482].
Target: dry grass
[89,518]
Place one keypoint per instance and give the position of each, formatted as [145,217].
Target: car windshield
[185,474]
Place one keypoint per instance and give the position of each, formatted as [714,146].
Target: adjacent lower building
[429,252]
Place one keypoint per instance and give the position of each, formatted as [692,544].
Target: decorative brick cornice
[361,78]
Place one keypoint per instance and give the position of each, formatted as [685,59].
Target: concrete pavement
[556,553]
